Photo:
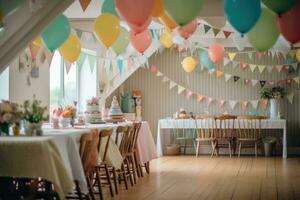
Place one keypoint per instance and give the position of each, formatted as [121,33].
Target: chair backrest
[88,150]
[137,128]
[124,133]
[104,139]
[249,127]
[224,126]
[205,127]
[121,130]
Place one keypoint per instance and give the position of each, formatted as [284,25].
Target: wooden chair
[205,132]
[249,132]
[224,133]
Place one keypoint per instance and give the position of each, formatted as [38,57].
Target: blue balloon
[205,60]
[242,14]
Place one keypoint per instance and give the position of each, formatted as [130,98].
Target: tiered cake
[92,113]
[115,110]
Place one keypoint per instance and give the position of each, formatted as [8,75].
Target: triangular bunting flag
[172,84]
[231,56]
[279,68]
[262,83]
[236,78]
[232,104]
[92,62]
[226,34]
[180,89]
[165,79]
[254,104]
[254,82]
[250,54]
[206,28]
[219,73]
[252,67]
[270,68]
[42,57]
[84,4]
[297,79]
[49,57]
[226,61]
[244,104]
[200,97]
[120,65]
[189,93]
[227,77]
[263,103]
[79,33]
[209,100]
[216,31]
[68,66]
[243,66]
[261,68]
[159,73]
[33,50]
[221,103]
[290,97]
[81,60]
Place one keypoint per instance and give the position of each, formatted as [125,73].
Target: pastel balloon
[141,41]
[38,42]
[188,30]
[158,9]
[182,11]
[242,14]
[135,12]
[56,33]
[71,49]
[279,6]
[205,61]
[298,55]
[216,53]
[120,45]
[189,64]
[289,24]
[167,22]
[107,28]
[141,28]
[265,32]
[109,6]
[166,40]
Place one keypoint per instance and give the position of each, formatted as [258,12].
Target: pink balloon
[139,29]
[141,41]
[216,53]
[289,24]
[135,12]
[188,30]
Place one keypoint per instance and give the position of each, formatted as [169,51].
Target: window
[77,85]
[4,84]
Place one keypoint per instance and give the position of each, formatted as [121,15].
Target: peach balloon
[141,41]
[188,30]
[141,28]
[216,53]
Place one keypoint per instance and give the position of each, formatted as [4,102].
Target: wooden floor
[187,177]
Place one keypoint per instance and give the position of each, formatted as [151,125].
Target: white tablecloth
[190,123]
[33,157]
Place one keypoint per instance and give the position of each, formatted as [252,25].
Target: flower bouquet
[10,113]
[34,115]
[68,115]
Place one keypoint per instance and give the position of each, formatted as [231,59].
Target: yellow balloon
[71,49]
[189,64]
[298,55]
[38,42]
[107,28]
[166,40]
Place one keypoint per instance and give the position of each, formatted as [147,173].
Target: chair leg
[256,149]
[98,179]
[78,190]
[213,146]
[109,181]
[197,148]
[134,168]
[128,171]
[147,166]
[90,186]
[115,179]
[124,176]
[141,170]
[229,148]
[240,148]
[137,165]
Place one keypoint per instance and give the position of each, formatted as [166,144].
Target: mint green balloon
[120,45]
[264,33]
[182,11]
[109,6]
[56,33]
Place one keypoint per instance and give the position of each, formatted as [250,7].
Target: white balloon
[239,41]
[282,45]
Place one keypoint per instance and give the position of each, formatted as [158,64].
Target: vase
[65,122]
[274,108]
[33,129]
[4,129]
[16,130]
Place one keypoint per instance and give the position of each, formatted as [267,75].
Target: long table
[191,124]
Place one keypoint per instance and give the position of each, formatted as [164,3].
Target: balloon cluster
[260,24]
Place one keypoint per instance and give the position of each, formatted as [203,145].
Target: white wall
[4,85]
[19,91]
